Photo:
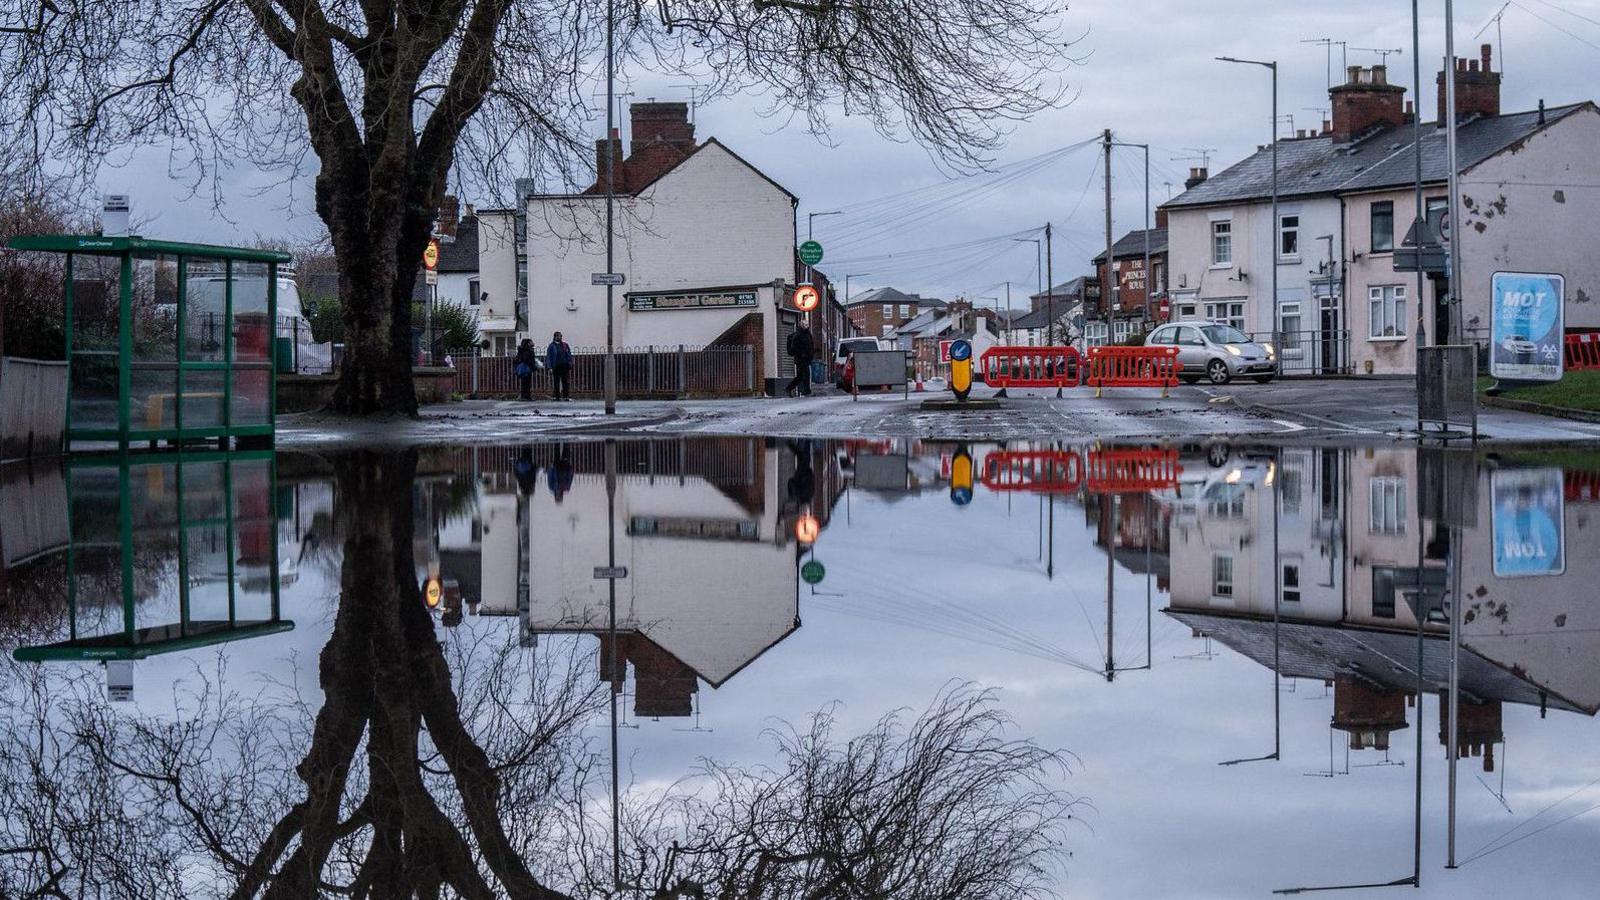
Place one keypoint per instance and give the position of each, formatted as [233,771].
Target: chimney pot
[1485,52]
[1327,126]
[1367,100]
[1380,74]
[1352,75]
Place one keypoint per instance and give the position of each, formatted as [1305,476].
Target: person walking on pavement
[558,356]
[802,350]
[524,365]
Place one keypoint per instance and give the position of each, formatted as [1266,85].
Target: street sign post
[1527,332]
[811,253]
[430,256]
[614,279]
[806,298]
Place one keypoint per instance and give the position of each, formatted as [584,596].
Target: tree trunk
[375,375]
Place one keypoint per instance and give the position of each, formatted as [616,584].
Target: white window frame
[1222,575]
[888,310]
[905,310]
[1386,513]
[887,327]
[1222,244]
[474,292]
[1291,594]
[1387,312]
[1289,313]
[1284,230]
[1229,311]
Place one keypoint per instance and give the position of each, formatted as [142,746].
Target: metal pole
[1149,277]
[1454,180]
[611,673]
[1454,705]
[1108,288]
[1277,343]
[1416,147]
[1050,295]
[611,189]
[1109,520]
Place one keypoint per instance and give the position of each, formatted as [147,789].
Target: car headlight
[1234,350]
[1271,350]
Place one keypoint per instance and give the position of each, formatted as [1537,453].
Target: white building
[704,239]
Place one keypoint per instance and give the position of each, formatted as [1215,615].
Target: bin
[283,354]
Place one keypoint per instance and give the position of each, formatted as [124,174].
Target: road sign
[1164,309]
[811,253]
[960,350]
[944,351]
[812,572]
[806,528]
[1528,523]
[430,276]
[430,256]
[1421,250]
[610,573]
[806,298]
[1526,335]
[611,278]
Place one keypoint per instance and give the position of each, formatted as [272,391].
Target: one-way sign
[612,278]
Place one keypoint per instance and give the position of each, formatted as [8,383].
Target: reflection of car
[1221,480]
[1216,351]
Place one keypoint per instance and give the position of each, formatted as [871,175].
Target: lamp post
[811,219]
[847,277]
[1149,277]
[1038,265]
[610,376]
[1271,66]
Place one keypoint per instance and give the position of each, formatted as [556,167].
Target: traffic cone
[919,382]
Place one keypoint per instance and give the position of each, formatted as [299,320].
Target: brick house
[880,311]
[1133,304]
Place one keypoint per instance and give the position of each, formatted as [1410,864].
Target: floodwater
[774,668]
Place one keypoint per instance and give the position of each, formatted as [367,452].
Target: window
[1222,243]
[1388,499]
[1289,236]
[1289,487]
[1226,501]
[905,310]
[1186,311]
[1222,576]
[1388,311]
[886,329]
[888,310]
[1384,589]
[474,296]
[1289,325]
[1291,582]
[1162,337]
[1190,336]
[1231,312]
[1383,227]
[1123,329]
[1439,217]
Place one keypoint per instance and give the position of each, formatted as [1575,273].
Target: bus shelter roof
[97,245]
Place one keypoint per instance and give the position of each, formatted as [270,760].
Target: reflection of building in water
[705,528]
[1533,641]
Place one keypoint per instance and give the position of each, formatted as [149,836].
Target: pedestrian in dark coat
[524,365]
[802,349]
[558,356]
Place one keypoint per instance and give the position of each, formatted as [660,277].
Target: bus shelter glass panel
[168,553]
[252,287]
[153,371]
[96,338]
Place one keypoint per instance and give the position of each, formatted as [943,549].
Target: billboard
[1527,332]
[1528,523]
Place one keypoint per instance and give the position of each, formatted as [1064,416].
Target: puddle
[803,667]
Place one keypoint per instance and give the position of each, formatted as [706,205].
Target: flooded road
[752,667]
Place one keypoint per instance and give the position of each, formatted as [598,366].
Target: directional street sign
[612,278]
[811,253]
[610,573]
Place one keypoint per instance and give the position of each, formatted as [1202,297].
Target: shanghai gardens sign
[692,300]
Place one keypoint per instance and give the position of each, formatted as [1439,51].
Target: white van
[847,347]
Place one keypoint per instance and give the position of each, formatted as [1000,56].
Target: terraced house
[1346,201]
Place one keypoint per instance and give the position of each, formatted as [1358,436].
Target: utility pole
[1455,187]
[1108,287]
[1421,212]
[611,194]
[1050,296]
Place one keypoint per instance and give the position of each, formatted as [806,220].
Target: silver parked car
[1216,351]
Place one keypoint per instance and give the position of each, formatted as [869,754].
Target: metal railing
[1309,352]
[655,371]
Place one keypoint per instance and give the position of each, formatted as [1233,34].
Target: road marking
[1289,427]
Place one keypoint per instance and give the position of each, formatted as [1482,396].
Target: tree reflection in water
[430,769]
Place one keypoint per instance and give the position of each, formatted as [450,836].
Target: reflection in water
[546,670]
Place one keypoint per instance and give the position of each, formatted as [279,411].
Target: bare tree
[390,96]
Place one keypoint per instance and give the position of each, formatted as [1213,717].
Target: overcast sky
[1149,75]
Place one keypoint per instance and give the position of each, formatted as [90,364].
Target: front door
[1330,337]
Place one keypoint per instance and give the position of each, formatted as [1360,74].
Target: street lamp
[847,277]
[812,217]
[1273,236]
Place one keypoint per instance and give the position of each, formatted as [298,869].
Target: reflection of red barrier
[1583,487]
[1123,471]
[1132,367]
[1036,471]
[1009,367]
[1583,350]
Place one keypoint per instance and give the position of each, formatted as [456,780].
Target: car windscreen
[857,346]
[1224,334]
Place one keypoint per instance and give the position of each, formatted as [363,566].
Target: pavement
[1324,411]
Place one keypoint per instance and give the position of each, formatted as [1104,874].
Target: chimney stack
[1366,100]
[1161,217]
[613,147]
[1477,88]
[1197,176]
[449,216]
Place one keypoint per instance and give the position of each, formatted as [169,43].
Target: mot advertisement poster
[1528,522]
[1525,338]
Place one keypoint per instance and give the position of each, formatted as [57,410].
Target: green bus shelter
[166,340]
[167,552]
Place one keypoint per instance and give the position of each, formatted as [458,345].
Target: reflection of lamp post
[1277,595]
